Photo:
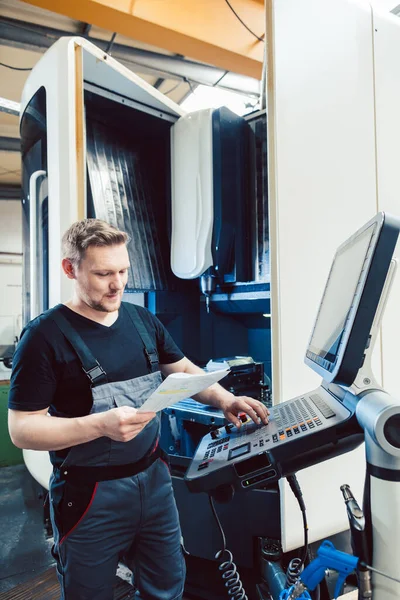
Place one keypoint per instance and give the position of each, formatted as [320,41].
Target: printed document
[179,386]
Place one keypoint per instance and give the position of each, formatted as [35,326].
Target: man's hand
[243,404]
[124,423]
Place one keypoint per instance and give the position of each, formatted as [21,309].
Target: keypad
[299,416]
[217,442]
[291,420]
[322,406]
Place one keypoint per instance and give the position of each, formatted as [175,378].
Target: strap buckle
[95,372]
[152,357]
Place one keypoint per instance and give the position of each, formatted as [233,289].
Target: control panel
[253,454]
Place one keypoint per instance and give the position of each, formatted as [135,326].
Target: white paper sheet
[179,386]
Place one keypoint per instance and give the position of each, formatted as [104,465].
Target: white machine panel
[387,89]
[322,166]
[192,194]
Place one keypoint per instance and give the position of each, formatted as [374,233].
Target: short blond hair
[89,232]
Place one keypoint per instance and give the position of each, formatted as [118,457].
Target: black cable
[229,573]
[295,487]
[15,68]
[186,80]
[111,43]
[173,88]
[218,523]
[242,22]
[305,527]
[220,79]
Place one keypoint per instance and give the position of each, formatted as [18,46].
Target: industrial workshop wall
[10,280]
[10,313]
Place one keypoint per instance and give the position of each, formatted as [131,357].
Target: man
[91,363]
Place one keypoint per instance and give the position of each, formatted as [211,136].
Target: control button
[289,433]
[219,449]
[215,434]
[304,427]
[261,443]
[243,417]
[267,440]
[274,438]
[226,446]
[296,429]
[202,466]
[229,427]
[207,454]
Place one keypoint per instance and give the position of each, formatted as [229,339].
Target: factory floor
[27,568]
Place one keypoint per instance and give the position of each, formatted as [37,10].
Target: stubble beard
[102,307]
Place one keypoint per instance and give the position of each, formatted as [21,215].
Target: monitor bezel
[355,339]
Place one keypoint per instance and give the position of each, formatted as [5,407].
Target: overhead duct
[30,36]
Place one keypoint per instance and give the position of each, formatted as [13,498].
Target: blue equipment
[327,558]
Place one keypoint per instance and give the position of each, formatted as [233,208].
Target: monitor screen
[350,300]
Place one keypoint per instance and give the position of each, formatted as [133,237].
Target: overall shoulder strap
[90,365]
[150,349]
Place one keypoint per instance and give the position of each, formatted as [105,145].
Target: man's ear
[68,268]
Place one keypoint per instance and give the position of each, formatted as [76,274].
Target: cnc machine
[98,141]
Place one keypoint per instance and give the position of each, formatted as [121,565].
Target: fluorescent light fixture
[210,97]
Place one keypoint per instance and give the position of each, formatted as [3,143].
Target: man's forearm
[216,396]
[41,432]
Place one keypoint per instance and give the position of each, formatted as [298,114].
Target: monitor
[355,283]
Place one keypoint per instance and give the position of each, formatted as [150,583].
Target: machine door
[35,207]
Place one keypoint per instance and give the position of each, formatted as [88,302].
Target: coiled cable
[230,575]
[293,571]
[228,569]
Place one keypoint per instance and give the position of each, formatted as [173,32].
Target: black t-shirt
[47,372]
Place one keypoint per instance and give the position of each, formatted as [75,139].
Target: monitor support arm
[379,415]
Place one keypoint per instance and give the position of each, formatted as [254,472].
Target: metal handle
[32,238]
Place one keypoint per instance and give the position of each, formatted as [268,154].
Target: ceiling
[25,33]
[27,30]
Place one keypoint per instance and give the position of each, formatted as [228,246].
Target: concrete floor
[24,549]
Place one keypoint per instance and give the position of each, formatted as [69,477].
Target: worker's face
[101,277]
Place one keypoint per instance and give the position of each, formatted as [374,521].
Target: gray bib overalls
[112,500]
